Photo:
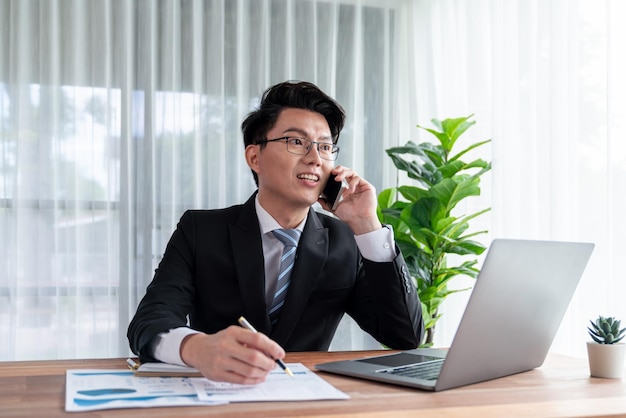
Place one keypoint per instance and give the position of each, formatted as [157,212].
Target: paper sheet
[303,386]
[88,390]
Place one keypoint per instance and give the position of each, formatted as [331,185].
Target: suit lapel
[247,250]
[311,257]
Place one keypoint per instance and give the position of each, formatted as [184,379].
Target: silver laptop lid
[515,309]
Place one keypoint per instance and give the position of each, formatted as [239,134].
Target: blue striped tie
[290,238]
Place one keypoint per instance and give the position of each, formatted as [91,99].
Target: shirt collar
[267,223]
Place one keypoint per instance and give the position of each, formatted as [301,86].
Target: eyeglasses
[302,146]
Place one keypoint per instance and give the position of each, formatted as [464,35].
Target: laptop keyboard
[426,371]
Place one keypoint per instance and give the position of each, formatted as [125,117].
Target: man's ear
[252,157]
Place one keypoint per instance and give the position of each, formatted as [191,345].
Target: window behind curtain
[116,116]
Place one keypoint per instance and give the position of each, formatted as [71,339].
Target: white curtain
[545,80]
[117,115]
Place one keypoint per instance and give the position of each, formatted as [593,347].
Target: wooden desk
[561,387]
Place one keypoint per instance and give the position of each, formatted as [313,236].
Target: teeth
[310,177]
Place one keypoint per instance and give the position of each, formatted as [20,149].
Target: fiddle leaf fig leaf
[420,212]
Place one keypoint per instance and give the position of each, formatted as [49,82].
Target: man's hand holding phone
[355,204]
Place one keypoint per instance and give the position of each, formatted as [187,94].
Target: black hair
[290,94]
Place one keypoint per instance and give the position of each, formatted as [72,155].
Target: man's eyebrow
[304,134]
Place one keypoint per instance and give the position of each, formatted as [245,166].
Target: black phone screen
[331,192]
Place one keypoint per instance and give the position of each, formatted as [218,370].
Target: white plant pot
[606,360]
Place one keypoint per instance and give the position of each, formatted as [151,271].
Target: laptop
[512,316]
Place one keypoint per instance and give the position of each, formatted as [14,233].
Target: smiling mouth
[309,177]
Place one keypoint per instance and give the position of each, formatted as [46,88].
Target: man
[222,264]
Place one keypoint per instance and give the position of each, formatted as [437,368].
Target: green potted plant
[605,352]
[421,213]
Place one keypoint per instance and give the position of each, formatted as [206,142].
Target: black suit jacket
[213,272]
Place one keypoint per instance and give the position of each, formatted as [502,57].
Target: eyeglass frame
[335,148]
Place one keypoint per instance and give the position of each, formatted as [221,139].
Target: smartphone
[332,192]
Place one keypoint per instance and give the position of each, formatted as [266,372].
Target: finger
[348,175]
[257,340]
[238,367]
[352,180]
[341,172]
[235,371]
[260,348]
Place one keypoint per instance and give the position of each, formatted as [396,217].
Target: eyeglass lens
[302,146]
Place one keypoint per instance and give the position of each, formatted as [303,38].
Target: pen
[244,323]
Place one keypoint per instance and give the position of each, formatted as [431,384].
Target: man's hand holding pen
[235,355]
[247,325]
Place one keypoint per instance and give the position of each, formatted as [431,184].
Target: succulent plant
[606,330]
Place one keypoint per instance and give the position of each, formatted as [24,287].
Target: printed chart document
[88,390]
[279,386]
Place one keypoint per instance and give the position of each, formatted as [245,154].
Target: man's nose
[314,153]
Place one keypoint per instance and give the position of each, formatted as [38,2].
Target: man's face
[286,180]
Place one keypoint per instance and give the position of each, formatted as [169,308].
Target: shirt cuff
[166,345]
[378,246]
